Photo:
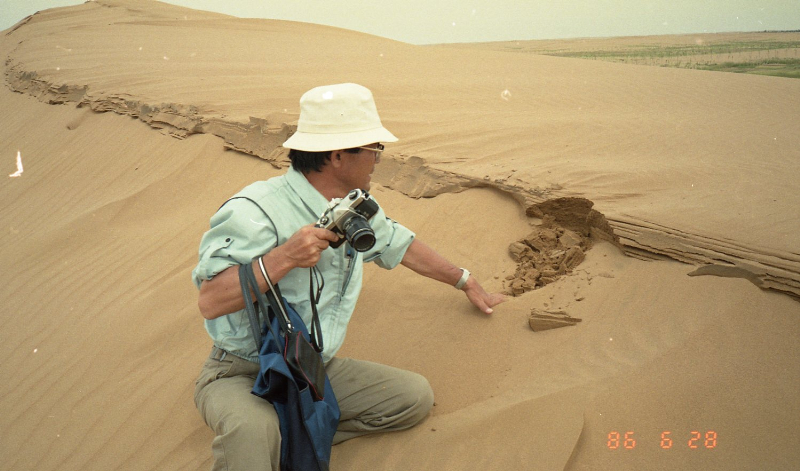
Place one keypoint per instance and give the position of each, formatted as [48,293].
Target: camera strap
[316,328]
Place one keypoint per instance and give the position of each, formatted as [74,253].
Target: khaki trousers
[372,398]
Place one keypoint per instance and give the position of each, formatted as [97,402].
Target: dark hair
[306,161]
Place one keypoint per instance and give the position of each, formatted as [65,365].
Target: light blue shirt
[240,231]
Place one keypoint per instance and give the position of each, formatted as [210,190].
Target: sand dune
[102,335]
[676,157]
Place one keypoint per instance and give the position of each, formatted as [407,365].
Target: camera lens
[358,233]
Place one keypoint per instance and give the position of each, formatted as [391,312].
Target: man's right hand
[305,247]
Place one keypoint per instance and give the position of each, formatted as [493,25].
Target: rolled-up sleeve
[392,239]
[239,232]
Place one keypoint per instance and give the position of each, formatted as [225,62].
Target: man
[334,150]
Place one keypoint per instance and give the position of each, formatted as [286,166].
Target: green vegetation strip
[715,57]
[789,68]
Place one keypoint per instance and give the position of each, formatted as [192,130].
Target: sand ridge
[103,341]
[188,101]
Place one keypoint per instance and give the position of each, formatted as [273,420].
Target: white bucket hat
[334,117]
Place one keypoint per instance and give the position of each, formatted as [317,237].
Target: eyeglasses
[378,151]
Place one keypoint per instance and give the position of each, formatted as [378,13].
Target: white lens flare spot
[327,95]
[19,166]
[35,350]
[505,95]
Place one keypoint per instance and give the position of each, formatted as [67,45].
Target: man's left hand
[480,298]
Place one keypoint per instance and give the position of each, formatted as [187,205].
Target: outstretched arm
[424,260]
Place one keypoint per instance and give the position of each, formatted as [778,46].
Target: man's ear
[336,158]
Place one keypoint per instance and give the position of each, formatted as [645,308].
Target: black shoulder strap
[247,282]
[244,198]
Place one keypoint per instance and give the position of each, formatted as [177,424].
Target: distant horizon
[776,31]
[478,21]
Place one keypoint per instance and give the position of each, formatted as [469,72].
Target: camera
[347,217]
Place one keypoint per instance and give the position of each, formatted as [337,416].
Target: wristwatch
[464,278]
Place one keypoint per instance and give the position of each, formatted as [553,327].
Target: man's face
[358,168]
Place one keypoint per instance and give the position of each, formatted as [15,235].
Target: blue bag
[298,388]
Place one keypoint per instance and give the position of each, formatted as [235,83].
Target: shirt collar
[313,199]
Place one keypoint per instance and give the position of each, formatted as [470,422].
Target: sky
[448,21]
